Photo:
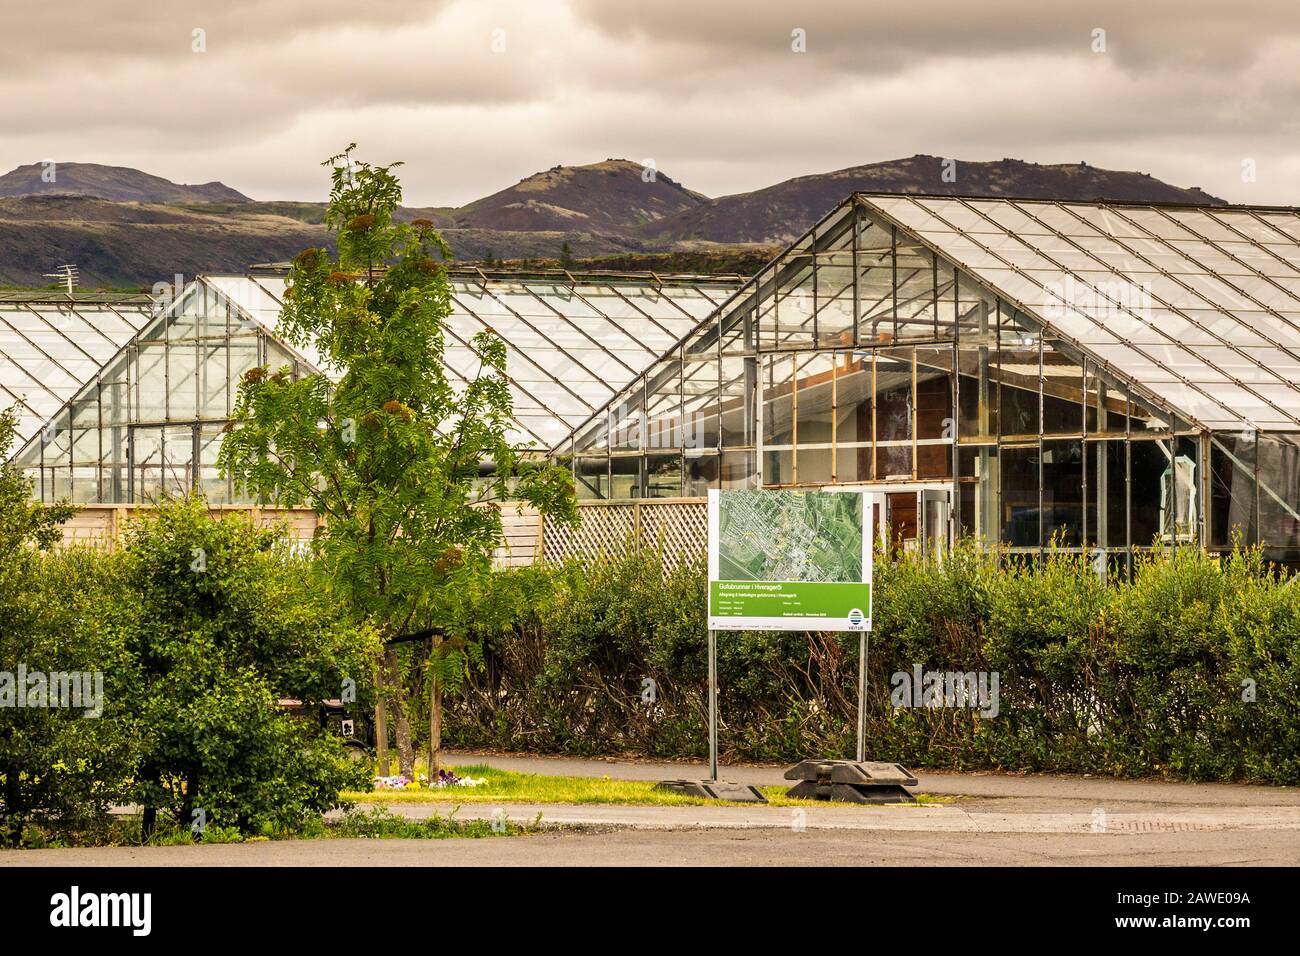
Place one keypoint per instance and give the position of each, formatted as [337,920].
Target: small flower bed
[444,778]
[399,782]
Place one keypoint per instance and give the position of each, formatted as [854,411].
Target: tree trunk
[14,808]
[381,725]
[435,713]
[401,725]
[188,802]
[149,817]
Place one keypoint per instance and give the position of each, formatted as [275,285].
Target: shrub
[58,767]
[221,625]
[61,767]
[1130,678]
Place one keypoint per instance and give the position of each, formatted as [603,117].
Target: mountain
[614,196]
[780,213]
[133,244]
[145,229]
[118,183]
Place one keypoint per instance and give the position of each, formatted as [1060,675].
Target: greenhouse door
[916,519]
[934,528]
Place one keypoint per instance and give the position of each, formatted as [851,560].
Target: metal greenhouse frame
[1095,376]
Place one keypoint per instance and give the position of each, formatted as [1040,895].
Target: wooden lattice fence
[101,526]
[676,527]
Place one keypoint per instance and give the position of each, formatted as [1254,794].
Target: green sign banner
[790,560]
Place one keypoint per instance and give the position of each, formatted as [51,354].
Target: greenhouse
[1107,377]
[128,406]
[1096,376]
[53,343]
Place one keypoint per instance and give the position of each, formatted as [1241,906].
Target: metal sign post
[864,639]
[712,788]
[713,705]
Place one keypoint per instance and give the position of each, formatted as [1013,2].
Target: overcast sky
[475,94]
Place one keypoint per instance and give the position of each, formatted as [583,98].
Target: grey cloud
[874,36]
[45,36]
[710,91]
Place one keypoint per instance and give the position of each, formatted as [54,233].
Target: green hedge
[1131,678]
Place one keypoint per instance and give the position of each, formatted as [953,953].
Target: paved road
[767,847]
[986,817]
[993,820]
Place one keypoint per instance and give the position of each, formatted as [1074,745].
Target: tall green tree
[402,463]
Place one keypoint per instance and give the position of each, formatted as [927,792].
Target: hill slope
[117,183]
[130,244]
[614,196]
[599,210]
[782,212]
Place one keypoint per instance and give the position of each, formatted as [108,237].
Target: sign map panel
[790,560]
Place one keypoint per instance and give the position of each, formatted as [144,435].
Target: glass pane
[814,466]
[663,476]
[626,472]
[814,399]
[700,473]
[739,469]
[739,385]
[895,409]
[1109,509]
[591,477]
[978,492]
[852,463]
[778,405]
[1062,393]
[1232,491]
[1151,460]
[853,397]
[1063,487]
[1017,370]
[1020,512]
[151,381]
[778,468]
[934,418]
[977,392]
[1279,494]
[181,383]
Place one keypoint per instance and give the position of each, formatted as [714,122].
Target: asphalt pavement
[985,819]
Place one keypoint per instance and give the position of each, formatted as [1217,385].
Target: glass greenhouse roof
[573,341]
[52,344]
[1200,305]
